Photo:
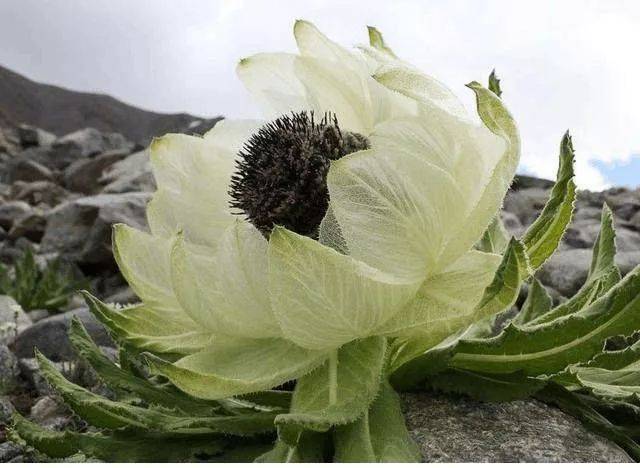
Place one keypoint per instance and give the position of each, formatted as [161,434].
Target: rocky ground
[60,196]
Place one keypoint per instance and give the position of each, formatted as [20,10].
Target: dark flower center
[281,173]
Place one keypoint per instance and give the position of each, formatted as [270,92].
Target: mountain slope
[62,111]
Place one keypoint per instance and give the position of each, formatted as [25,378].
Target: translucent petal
[271,80]
[446,301]
[312,43]
[395,211]
[236,367]
[193,177]
[324,299]
[226,291]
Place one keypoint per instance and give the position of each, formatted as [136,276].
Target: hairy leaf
[538,302]
[495,239]
[494,84]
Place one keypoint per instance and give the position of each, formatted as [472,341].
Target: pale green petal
[446,301]
[271,80]
[395,211]
[151,330]
[227,291]
[144,262]
[193,176]
[324,299]
[312,43]
[236,367]
[416,85]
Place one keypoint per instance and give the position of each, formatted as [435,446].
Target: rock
[39,192]
[50,413]
[28,170]
[512,224]
[80,229]
[12,210]
[31,226]
[38,314]
[83,174]
[31,136]
[132,174]
[9,451]
[521,182]
[582,234]
[526,204]
[627,261]
[123,296]
[6,410]
[50,336]
[624,203]
[13,320]
[9,371]
[83,144]
[566,270]
[455,430]
[635,221]
[583,213]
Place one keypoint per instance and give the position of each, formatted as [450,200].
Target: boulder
[9,371]
[12,210]
[83,144]
[13,319]
[455,430]
[80,229]
[83,174]
[39,192]
[31,136]
[132,174]
[521,182]
[28,170]
[526,204]
[566,270]
[583,233]
[50,336]
[30,226]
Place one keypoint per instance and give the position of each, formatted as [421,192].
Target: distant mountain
[61,111]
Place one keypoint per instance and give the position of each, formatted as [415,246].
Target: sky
[563,64]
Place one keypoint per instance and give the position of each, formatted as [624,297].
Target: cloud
[570,64]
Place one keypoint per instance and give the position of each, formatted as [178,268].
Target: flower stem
[333,377]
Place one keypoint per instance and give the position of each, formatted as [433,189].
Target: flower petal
[324,299]
[395,211]
[446,301]
[226,291]
[235,367]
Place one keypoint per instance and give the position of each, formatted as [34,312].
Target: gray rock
[50,413]
[132,174]
[28,170]
[80,229]
[50,336]
[6,410]
[9,451]
[12,210]
[123,296]
[13,320]
[627,261]
[85,143]
[455,430]
[512,223]
[39,192]
[521,182]
[38,314]
[583,212]
[566,270]
[31,226]
[31,136]
[526,204]
[9,371]
[635,221]
[83,174]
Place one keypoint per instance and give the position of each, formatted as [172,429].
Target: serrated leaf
[379,436]
[311,448]
[104,413]
[121,380]
[538,302]
[495,239]
[116,447]
[413,360]
[494,84]
[548,348]
[486,387]
[336,393]
[543,236]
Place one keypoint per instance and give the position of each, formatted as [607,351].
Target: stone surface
[83,174]
[456,430]
[50,336]
[13,320]
[526,204]
[9,371]
[83,144]
[9,451]
[28,170]
[37,193]
[12,210]
[80,229]
[132,174]
[49,412]
[566,270]
[30,226]
[32,136]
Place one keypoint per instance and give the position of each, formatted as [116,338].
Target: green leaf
[495,239]
[379,436]
[538,302]
[603,273]
[543,236]
[548,348]
[494,84]
[337,393]
[414,360]
[104,413]
[312,447]
[119,379]
[486,387]
[572,404]
[116,447]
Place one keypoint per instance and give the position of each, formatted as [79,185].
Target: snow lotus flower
[350,213]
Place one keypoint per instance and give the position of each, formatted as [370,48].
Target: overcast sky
[564,65]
